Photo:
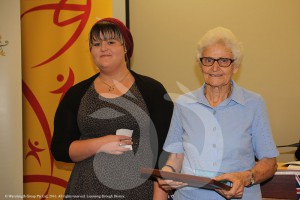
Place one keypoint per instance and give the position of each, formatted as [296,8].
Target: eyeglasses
[223,62]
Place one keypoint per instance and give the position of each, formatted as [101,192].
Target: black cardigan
[65,122]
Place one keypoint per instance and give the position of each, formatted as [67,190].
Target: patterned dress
[107,176]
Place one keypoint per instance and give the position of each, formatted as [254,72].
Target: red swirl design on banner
[35,150]
[59,7]
[70,81]
[39,112]
[45,179]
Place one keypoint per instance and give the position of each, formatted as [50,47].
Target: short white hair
[224,36]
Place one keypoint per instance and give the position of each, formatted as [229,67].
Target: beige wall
[11,167]
[166,32]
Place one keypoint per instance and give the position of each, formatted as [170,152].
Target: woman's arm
[173,164]
[263,170]
[174,161]
[158,192]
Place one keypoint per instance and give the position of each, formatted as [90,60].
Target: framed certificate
[191,180]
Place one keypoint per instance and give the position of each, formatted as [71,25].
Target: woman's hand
[264,169]
[170,184]
[111,144]
[238,179]
[114,144]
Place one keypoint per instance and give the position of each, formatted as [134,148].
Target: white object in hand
[126,132]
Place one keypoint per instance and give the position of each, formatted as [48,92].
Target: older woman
[220,127]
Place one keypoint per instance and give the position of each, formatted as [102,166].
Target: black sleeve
[65,127]
[65,120]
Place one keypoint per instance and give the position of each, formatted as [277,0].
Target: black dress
[107,176]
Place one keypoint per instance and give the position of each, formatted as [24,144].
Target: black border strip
[127,13]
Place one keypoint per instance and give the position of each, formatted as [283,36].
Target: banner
[55,55]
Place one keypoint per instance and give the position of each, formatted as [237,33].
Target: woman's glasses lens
[223,62]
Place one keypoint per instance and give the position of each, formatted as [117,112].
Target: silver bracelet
[171,167]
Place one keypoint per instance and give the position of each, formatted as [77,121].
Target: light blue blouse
[226,138]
